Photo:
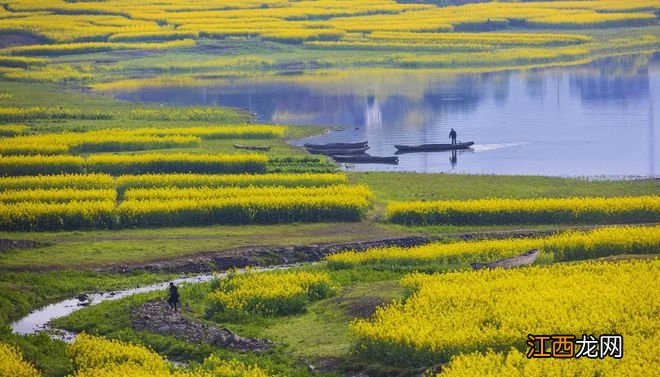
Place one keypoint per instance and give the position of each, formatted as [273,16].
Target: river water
[601,119]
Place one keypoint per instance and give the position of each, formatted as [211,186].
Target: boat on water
[523,259]
[360,144]
[432,147]
[365,159]
[252,147]
[343,151]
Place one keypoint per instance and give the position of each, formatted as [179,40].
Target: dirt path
[157,317]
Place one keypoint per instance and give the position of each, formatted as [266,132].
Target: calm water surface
[599,119]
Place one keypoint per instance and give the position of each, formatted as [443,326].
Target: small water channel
[38,320]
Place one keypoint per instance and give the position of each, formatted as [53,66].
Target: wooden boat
[253,147]
[524,259]
[337,151]
[365,159]
[360,144]
[433,147]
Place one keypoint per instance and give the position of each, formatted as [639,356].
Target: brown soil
[6,244]
[359,307]
[157,317]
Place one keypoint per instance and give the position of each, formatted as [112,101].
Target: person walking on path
[452,136]
[173,300]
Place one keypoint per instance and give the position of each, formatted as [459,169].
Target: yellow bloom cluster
[397,40]
[560,247]
[161,35]
[176,163]
[57,195]
[130,164]
[462,312]
[269,293]
[77,181]
[89,47]
[637,362]
[247,131]
[90,352]
[100,357]
[513,211]
[12,363]
[589,19]
[181,114]
[205,193]
[9,114]
[146,181]
[96,141]
[245,206]
[72,201]
[217,367]
[32,215]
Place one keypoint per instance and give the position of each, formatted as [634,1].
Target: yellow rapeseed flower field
[94,356]
[82,27]
[75,181]
[572,245]
[526,211]
[63,195]
[146,181]
[268,293]
[463,312]
[12,363]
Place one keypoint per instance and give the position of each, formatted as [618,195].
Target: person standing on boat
[173,300]
[452,136]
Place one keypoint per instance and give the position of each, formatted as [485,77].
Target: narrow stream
[38,320]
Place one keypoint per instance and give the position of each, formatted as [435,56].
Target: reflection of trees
[613,78]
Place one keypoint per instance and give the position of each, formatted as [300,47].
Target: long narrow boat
[253,147]
[360,144]
[433,147]
[523,259]
[366,159]
[337,151]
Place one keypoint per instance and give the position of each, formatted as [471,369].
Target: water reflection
[554,121]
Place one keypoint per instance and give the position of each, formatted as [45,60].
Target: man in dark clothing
[452,136]
[174,296]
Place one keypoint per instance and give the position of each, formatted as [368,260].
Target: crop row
[242,210]
[243,131]
[497,309]
[57,195]
[50,144]
[115,140]
[12,129]
[9,114]
[90,47]
[133,164]
[75,209]
[560,247]
[527,211]
[204,193]
[151,181]
[173,113]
